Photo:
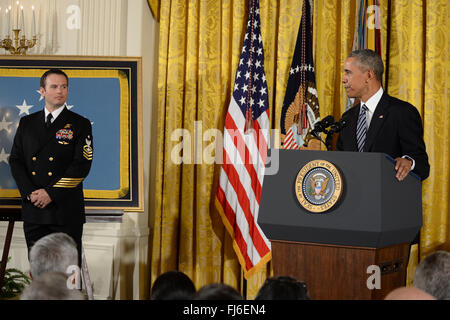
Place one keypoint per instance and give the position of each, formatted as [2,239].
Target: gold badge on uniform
[87,149]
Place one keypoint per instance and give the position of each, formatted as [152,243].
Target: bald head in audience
[408,293]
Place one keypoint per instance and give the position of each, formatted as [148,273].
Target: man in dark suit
[381,123]
[50,157]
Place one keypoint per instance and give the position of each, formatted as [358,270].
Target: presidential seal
[318,186]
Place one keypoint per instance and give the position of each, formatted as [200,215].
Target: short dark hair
[283,288]
[172,285]
[217,291]
[52,71]
[369,60]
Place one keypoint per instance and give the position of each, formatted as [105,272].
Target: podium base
[334,272]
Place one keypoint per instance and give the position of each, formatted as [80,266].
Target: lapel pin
[380,117]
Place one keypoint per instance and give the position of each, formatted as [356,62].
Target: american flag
[246,139]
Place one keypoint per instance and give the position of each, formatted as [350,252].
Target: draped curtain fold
[199,48]
[154,7]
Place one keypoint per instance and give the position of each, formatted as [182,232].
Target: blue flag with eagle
[301,103]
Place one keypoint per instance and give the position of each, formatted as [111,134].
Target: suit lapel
[378,119]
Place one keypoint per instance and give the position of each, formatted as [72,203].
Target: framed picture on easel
[107,91]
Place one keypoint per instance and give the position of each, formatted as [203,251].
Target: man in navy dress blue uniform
[50,157]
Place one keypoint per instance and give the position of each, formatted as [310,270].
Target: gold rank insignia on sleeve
[87,150]
[68,182]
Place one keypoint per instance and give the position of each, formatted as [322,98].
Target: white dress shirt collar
[55,113]
[372,102]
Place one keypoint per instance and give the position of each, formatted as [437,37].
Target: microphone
[322,125]
[338,126]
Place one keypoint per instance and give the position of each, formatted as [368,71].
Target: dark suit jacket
[396,129]
[57,158]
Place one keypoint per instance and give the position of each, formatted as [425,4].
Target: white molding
[101,261]
[111,230]
[106,247]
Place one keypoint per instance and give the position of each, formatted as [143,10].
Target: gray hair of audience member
[51,286]
[283,288]
[369,60]
[433,275]
[54,252]
[217,291]
[172,285]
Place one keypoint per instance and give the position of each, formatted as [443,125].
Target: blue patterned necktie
[361,128]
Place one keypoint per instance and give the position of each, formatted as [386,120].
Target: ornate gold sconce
[18,45]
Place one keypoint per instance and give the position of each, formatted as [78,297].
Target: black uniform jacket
[396,129]
[58,159]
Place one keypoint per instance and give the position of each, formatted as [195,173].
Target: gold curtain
[199,48]
[419,73]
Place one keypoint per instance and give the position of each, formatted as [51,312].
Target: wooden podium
[335,252]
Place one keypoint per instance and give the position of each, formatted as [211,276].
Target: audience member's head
[217,291]
[54,252]
[433,275]
[51,286]
[408,293]
[172,285]
[282,288]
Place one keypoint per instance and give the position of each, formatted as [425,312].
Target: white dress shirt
[371,104]
[55,113]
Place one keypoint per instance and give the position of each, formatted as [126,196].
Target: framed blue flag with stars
[104,90]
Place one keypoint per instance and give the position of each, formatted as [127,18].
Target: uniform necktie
[361,128]
[49,120]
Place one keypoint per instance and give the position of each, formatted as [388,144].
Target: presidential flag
[301,103]
[246,139]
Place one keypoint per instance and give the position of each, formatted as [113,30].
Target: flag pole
[243,285]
